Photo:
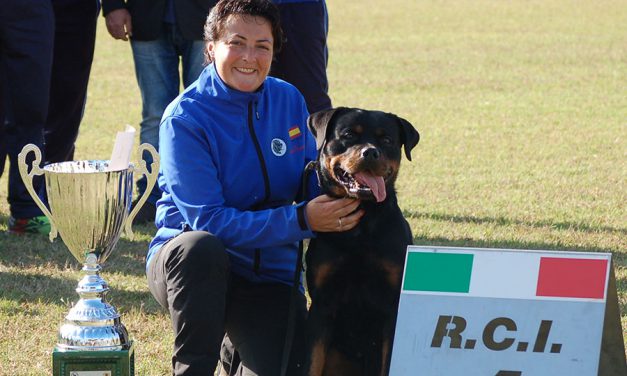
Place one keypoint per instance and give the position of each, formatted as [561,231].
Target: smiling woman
[243,53]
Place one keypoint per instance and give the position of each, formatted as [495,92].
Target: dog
[354,277]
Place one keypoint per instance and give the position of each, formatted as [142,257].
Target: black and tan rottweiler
[354,277]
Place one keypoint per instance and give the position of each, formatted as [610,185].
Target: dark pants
[303,59]
[74,40]
[190,277]
[26,43]
[46,50]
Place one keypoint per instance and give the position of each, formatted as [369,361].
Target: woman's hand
[328,214]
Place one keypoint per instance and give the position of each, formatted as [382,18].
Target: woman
[233,149]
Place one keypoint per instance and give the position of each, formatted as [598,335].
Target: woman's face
[244,52]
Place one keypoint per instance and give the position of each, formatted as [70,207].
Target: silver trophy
[89,208]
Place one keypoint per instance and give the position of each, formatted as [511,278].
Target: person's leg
[256,323]
[193,59]
[303,59]
[157,72]
[3,146]
[74,41]
[27,29]
[3,138]
[189,277]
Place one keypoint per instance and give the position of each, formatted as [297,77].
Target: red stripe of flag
[572,278]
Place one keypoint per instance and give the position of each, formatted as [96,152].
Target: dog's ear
[409,136]
[318,123]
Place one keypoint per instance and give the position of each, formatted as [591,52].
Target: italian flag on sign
[513,274]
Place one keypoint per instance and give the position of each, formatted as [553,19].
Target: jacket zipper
[264,172]
[257,261]
[262,162]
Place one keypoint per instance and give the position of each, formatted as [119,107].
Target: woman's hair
[215,24]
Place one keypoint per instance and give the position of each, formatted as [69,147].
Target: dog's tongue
[376,184]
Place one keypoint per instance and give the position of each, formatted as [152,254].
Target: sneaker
[34,225]
[146,214]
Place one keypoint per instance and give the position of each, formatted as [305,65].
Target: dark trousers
[46,50]
[190,277]
[26,43]
[74,41]
[303,59]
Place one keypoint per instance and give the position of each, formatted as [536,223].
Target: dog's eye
[385,140]
[348,134]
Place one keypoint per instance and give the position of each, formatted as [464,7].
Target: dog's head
[359,151]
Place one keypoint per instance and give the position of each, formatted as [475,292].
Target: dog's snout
[370,153]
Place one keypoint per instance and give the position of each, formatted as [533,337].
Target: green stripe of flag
[434,271]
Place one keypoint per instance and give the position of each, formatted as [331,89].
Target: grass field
[522,108]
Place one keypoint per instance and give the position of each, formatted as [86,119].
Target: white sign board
[493,312]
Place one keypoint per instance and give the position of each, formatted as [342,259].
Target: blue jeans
[158,77]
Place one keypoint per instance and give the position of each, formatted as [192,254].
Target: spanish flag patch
[294,132]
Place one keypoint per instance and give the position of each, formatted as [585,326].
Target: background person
[233,149]
[46,51]
[165,35]
[303,59]
[74,43]
[26,42]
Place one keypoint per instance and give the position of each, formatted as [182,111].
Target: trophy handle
[151,178]
[28,181]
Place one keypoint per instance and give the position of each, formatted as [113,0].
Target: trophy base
[94,363]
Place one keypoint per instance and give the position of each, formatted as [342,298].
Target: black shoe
[146,213]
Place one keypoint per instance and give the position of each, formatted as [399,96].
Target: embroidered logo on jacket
[278,147]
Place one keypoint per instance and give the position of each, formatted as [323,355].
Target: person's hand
[119,24]
[327,214]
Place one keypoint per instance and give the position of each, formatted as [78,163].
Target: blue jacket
[232,165]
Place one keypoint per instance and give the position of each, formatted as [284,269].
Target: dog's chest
[355,271]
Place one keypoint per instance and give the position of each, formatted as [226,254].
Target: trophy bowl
[90,205]
[89,208]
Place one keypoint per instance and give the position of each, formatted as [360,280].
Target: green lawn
[522,109]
